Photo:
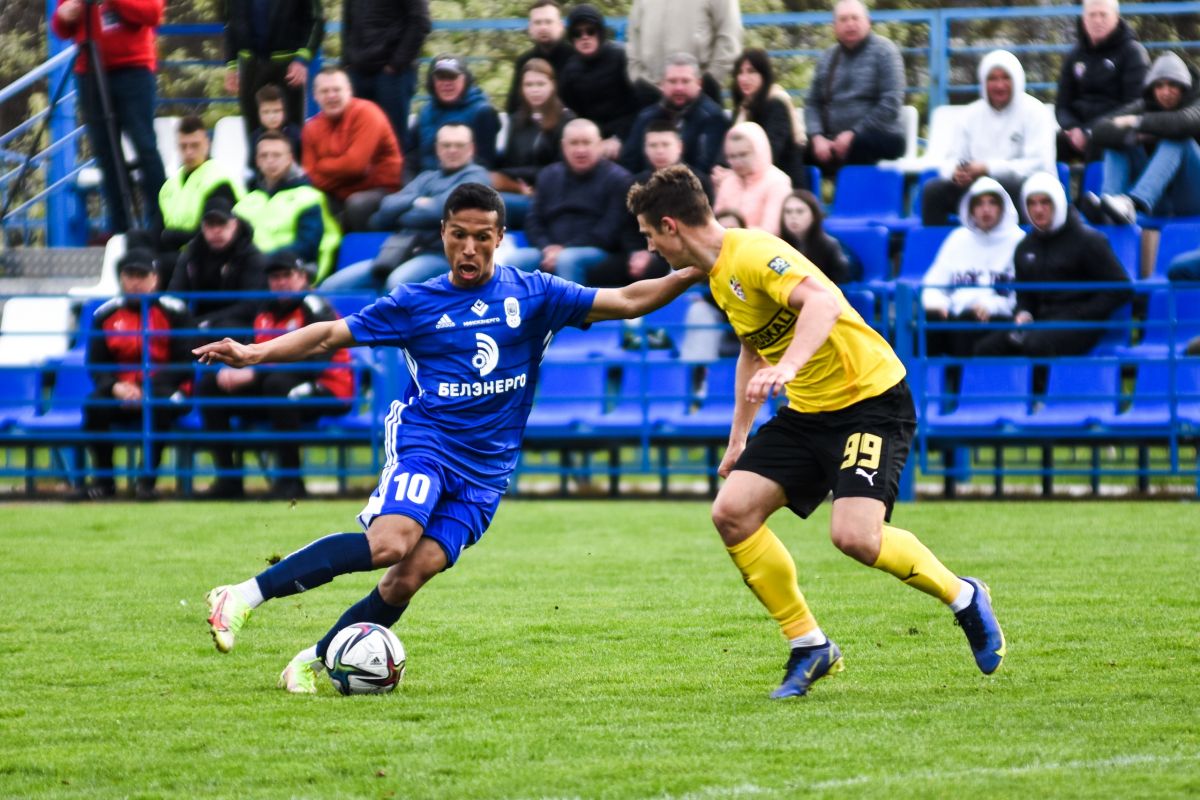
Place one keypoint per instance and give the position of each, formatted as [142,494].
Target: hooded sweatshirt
[471,108]
[759,196]
[1066,252]
[1182,122]
[1097,78]
[1015,141]
[974,267]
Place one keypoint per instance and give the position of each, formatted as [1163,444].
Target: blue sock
[317,564]
[371,608]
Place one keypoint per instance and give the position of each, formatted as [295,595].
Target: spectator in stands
[271,42]
[533,139]
[595,82]
[1104,71]
[272,117]
[453,98]
[710,30]
[550,44]
[700,120]
[325,389]
[751,185]
[664,148]
[182,198]
[115,359]
[970,278]
[1006,134]
[349,151]
[381,42]
[802,225]
[415,215]
[758,98]
[123,32]
[285,211]
[1059,249]
[578,221]
[1165,121]
[853,110]
[222,258]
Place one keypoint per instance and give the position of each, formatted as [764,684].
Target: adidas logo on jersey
[444,322]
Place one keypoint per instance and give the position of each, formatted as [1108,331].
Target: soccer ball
[365,658]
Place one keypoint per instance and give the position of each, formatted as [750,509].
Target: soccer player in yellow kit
[847,427]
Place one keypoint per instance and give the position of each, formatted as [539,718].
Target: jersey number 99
[862,450]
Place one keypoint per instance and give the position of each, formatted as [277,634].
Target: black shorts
[857,451]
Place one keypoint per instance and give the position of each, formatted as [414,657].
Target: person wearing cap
[221,258]
[116,338]
[200,177]
[349,150]
[381,42]
[325,389]
[453,99]
[284,209]
[595,82]
[1151,158]
[550,44]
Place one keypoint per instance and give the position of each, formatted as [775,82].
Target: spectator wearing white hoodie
[971,276]
[1006,134]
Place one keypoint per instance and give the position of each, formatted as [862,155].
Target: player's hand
[732,453]
[297,73]
[231,80]
[228,352]
[768,382]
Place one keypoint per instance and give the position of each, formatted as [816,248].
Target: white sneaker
[1120,207]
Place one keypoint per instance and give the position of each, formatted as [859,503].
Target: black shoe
[1092,210]
[288,489]
[145,490]
[100,490]
[225,489]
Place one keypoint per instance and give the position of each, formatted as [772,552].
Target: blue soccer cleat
[808,664]
[979,623]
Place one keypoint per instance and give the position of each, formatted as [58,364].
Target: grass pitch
[603,649]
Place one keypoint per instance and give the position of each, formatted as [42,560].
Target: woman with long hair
[802,226]
[758,98]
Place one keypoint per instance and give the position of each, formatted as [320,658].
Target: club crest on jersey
[488,355]
[512,312]
[779,264]
[736,286]
[480,308]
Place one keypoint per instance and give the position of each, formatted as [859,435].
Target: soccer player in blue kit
[473,340]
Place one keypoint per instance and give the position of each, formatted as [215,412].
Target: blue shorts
[453,512]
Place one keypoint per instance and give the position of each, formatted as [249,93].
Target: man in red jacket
[123,33]
[349,151]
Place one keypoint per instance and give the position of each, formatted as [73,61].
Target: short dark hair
[671,192]
[662,125]
[272,136]
[476,196]
[543,3]
[192,123]
[269,93]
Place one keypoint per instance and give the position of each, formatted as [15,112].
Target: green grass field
[603,649]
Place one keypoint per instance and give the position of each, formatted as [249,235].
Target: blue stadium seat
[652,394]
[1126,241]
[600,341]
[347,304]
[1150,409]
[863,301]
[1079,394]
[991,394]
[1064,176]
[1176,238]
[935,390]
[1093,177]
[72,385]
[867,195]
[568,396]
[358,247]
[921,246]
[713,417]
[1187,391]
[1167,318]
[870,244]
[20,393]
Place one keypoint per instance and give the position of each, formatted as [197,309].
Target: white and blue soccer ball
[365,658]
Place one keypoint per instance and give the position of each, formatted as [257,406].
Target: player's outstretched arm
[311,340]
[642,297]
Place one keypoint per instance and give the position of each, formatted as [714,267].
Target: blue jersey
[473,355]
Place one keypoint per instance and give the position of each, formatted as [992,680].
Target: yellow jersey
[754,274]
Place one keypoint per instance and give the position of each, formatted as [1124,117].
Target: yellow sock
[903,555]
[769,571]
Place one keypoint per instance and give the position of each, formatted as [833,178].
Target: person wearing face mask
[751,185]
[802,226]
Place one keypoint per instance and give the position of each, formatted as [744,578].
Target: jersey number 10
[415,487]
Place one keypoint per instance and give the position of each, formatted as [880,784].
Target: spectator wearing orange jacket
[350,151]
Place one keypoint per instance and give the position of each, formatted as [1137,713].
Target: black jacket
[826,253]
[1096,80]
[1073,253]
[558,56]
[382,33]
[702,126]
[598,89]
[239,268]
[581,210]
[528,148]
[291,26]
[1179,123]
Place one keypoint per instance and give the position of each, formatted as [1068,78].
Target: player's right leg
[739,513]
